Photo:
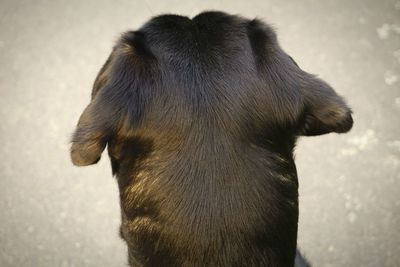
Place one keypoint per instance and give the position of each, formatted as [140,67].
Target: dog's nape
[301,98]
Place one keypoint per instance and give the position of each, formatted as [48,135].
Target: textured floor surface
[54,214]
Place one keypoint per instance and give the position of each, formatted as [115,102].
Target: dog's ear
[93,129]
[325,111]
[113,98]
[96,126]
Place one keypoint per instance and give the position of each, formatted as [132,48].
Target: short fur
[201,117]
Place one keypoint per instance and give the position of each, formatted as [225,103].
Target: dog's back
[201,117]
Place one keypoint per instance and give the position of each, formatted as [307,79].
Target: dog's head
[291,98]
[202,102]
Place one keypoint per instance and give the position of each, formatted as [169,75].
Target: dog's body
[201,117]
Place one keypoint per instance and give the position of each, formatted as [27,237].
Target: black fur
[201,117]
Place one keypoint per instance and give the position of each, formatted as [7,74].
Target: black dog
[201,117]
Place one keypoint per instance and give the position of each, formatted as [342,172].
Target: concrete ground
[55,214]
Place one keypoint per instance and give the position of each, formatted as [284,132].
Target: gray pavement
[55,214]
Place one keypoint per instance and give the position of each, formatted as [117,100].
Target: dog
[200,117]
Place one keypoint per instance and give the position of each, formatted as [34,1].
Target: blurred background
[55,214]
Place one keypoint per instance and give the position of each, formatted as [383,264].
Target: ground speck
[352,217]
[383,31]
[363,141]
[390,77]
[349,151]
[357,204]
[397,101]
